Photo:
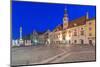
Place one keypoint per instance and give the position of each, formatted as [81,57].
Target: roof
[77,22]
[74,23]
[58,28]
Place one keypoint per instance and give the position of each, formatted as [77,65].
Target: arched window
[75,41]
[90,34]
[75,33]
[82,32]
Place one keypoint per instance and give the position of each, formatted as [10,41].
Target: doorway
[90,42]
[82,41]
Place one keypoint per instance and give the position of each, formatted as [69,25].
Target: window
[81,28]
[90,23]
[82,32]
[82,41]
[63,38]
[75,33]
[90,28]
[75,41]
[90,34]
[59,34]
[75,24]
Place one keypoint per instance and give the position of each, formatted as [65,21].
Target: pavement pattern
[46,54]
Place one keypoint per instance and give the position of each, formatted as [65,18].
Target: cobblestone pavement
[32,55]
[81,56]
[43,54]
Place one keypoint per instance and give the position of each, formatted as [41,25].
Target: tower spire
[65,19]
[87,15]
[65,12]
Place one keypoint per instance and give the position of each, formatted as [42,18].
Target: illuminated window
[75,24]
[64,38]
[64,19]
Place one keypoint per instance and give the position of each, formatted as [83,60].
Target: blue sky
[43,16]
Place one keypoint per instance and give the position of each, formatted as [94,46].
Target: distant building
[39,38]
[34,38]
[78,31]
[27,42]
[15,43]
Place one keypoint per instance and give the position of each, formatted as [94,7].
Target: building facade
[79,31]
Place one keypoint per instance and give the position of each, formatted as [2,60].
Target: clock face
[64,19]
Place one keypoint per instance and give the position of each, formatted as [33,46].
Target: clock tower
[65,19]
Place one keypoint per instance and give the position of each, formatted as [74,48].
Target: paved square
[43,54]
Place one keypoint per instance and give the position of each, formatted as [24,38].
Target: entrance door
[90,42]
[75,41]
[82,42]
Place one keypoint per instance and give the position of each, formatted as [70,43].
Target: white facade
[28,43]
[15,43]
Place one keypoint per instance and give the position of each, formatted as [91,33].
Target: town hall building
[78,31]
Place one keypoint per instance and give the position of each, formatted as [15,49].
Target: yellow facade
[90,27]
